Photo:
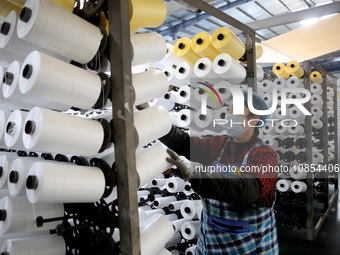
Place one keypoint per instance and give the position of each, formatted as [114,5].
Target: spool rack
[313,229]
[122,101]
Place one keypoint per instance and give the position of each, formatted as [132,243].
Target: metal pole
[123,126]
[336,142]
[309,146]
[325,138]
[251,61]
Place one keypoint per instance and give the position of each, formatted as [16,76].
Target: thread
[14,130]
[18,171]
[11,43]
[79,42]
[294,95]
[316,100]
[175,184]
[259,73]
[191,209]
[296,114]
[3,119]
[151,239]
[281,71]
[38,245]
[190,250]
[203,69]
[297,130]
[280,129]
[163,201]
[316,122]
[295,69]
[170,56]
[175,206]
[183,95]
[201,44]
[21,215]
[45,77]
[174,240]
[265,85]
[151,124]
[147,48]
[294,82]
[298,187]
[221,113]
[279,83]
[203,121]
[177,224]
[228,68]
[146,14]
[283,185]
[297,173]
[183,50]
[316,88]
[51,131]
[190,229]
[6,160]
[165,102]
[184,71]
[66,4]
[184,118]
[316,77]
[149,85]
[151,162]
[64,183]
[227,42]
[10,82]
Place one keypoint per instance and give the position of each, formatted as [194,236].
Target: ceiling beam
[189,22]
[293,17]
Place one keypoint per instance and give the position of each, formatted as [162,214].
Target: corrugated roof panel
[274,6]
[266,33]
[207,25]
[280,29]
[294,5]
[255,11]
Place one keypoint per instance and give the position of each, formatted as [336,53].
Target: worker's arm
[196,149]
[239,189]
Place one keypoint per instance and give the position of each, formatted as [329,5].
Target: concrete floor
[326,243]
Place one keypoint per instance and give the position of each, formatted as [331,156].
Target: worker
[237,215]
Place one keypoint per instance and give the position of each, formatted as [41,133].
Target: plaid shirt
[206,150]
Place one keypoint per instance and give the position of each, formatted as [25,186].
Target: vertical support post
[324,120]
[336,137]
[123,125]
[251,60]
[309,146]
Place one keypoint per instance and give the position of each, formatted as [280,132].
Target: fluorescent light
[308,22]
[327,16]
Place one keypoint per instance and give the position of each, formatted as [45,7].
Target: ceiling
[184,20]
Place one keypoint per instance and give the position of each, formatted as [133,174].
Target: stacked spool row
[294,69]
[290,149]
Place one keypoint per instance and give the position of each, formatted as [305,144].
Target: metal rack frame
[313,230]
[122,102]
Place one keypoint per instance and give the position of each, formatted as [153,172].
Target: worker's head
[250,122]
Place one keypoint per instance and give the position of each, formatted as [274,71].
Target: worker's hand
[183,169]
